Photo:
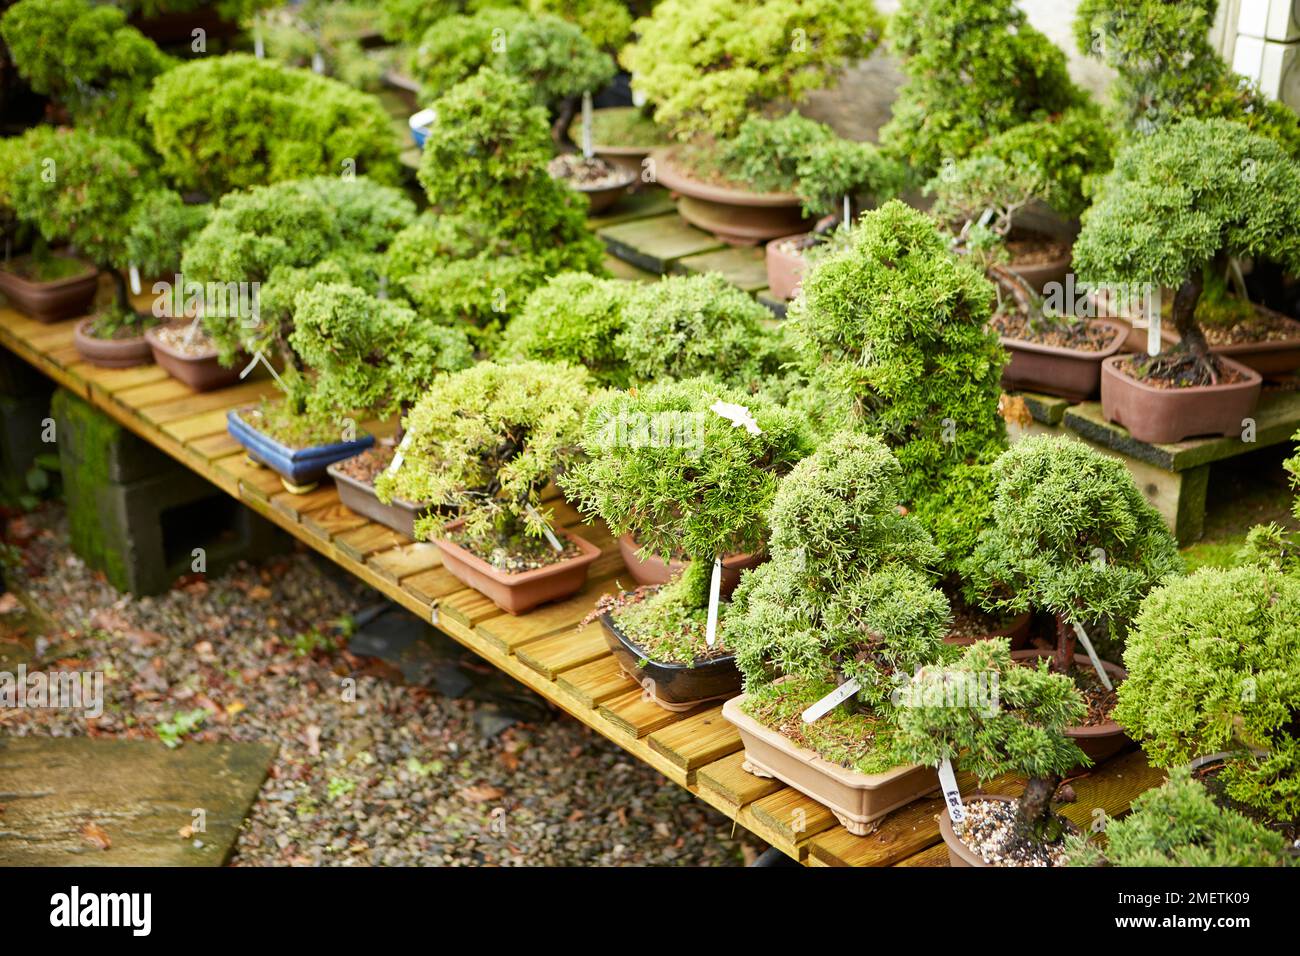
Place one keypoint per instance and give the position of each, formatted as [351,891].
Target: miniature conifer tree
[945,713]
[575,318]
[1214,665]
[161,230]
[1178,207]
[1072,535]
[1271,544]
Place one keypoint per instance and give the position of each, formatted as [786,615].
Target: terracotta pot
[1017,632]
[675,687]
[201,372]
[1070,373]
[51,301]
[111,353]
[360,497]
[736,216]
[856,799]
[522,591]
[652,571]
[601,199]
[1272,360]
[1039,276]
[1104,740]
[785,269]
[629,158]
[1163,415]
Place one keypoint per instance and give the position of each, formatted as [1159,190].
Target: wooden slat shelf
[545,650]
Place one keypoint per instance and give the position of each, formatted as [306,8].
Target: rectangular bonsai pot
[300,466]
[675,687]
[524,590]
[51,301]
[1070,373]
[201,372]
[1164,415]
[361,498]
[856,799]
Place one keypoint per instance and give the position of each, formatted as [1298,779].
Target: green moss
[621,126]
[671,625]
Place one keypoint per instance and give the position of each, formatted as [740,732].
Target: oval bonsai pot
[856,799]
[1055,370]
[785,269]
[1164,415]
[1103,740]
[521,591]
[360,497]
[736,216]
[201,372]
[110,353]
[625,157]
[1016,631]
[51,301]
[675,687]
[1039,275]
[651,570]
[298,466]
[601,198]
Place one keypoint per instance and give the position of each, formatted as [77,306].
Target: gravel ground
[402,775]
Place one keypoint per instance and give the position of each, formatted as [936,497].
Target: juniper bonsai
[162,228]
[1177,209]
[944,715]
[1214,665]
[707,65]
[606,22]
[575,318]
[1272,545]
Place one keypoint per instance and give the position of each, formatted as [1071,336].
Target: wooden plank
[168,389]
[260,482]
[161,413]
[467,607]
[200,426]
[211,447]
[334,518]
[728,779]
[362,542]
[697,740]
[936,855]
[561,652]
[594,683]
[294,506]
[432,585]
[654,244]
[745,268]
[634,712]
[787,819]
[110,380]
[508,631]
[405,560]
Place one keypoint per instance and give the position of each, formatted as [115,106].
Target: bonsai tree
[85,57]
[1272,545]
[162,228]
[1179,824]
[974,68]
[607,23]
[980,197]
[1214,665]
[16,154]
[504,224]
[1168,70]
[324,31]
[1022,731]
[487,440]
[846,595]
[707,65]
[1072,535]
[668,466]
[1178,208]
[231,122]
[575,319]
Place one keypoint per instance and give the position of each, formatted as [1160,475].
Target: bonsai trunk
[1063,657]
[121,296]
[563,121]
[1035,821]
[1193,352]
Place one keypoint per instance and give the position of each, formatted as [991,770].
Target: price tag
[135,279]
[832,700]
[1092,656]
[951,795]
[546,529]
[715,596]
[1153,334]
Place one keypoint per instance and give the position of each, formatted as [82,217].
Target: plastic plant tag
[551,539]
[848,212]
[832,700]
[1153,334]
[259,48]
[587,149]
[396,463]
[951,795]
[135,279]
[738,415]
[192,331]
[317,62]
[1092,656]
[715,597]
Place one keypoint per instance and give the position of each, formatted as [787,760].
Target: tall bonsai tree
[233,121]
[1178,207]
[1214,665]
[942,716]
[1072,535]
[707,65]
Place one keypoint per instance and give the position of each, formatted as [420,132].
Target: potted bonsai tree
[231,122]
[990,715]
[709,66]
[1214,678]
[1178,208]
[374,357]
[688,469]
[1073,536]
[487,440]
[823,629]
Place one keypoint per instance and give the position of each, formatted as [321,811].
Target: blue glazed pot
[420,123]
[300,466]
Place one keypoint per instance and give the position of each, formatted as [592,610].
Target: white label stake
[1092,656]
[587,149]
[715,596]
[951,795]
[135,279]
[396,463]
[848,213]
[259,47]
[1153,334]
[546,529]
[832,700]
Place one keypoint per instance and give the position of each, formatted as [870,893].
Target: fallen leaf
[481,793]
[9,603]
[185,832]
[259,593]
[94,834]
[235,707]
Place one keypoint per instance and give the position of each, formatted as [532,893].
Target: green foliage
[621,126]
[1169,71]
[294,35]
[232,122]
[608,23]
[1271,544]
[161,229]
[173,732]
[846,593]
[980,197]
[974,68]
[707,65]
[86,57]
[574,319]
[1179,824]
[487,440]
[16,154]
[1214,664]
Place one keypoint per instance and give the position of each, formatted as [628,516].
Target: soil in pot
[1167,406]
[674,686]
[1038,259]
[969,624]
[987,836]
[1209,771]
[125,345]
[650,569]
[601,182]
[1097,736]
[729,210]
[49,288]
[1265,341]
[187,353]
[355,479]
[1058,358]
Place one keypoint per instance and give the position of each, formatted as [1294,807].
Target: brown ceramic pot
[111,353]
[674,687]
[1104,740]
[51,301]
[1164,415]
[1272,360]
[856,799]
[737,216]
[525,590]
[602,198]
[1070,373]
[201,372]
[959,854]
[360,497]
[651,570]
[785,268]
[1017,632]
[1038,276]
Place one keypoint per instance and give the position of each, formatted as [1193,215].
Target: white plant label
[738,415]
[396,463]
[259,48]
[715,597]
[832,700]
[1153,334]
[951,795]
[551,539]
[135,279]
[317,62]
[1092,656]
[587,149]
[848,212]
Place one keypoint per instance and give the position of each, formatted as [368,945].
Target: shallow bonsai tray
[51,301]
[202,372]
[360,497]
[1165,415]
[299,466]
[110,353]
[675,687]
[1074,374]
[736,216]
